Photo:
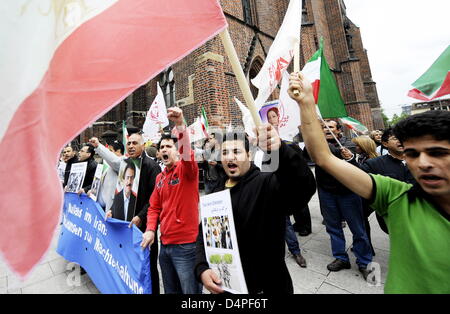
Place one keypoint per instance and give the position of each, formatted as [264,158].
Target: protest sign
[219,236]
[76,177]
[109,250]
[95,187]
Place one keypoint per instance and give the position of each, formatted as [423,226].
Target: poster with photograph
[61,171]
[95,187]
[219,236]
[76,177]
[284,113]
[126,190]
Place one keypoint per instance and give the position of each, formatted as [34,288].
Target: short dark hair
[91,149]
[129,165]
[167,136]
[387,134]
[338,124]
[73,146]
[117,145]
[237,136]
[434,122]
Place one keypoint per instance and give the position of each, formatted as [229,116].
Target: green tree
[385,118]
[397,118]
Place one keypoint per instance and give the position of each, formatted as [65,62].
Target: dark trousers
[336,208]
[303,220]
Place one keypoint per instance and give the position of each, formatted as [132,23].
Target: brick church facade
[205,78]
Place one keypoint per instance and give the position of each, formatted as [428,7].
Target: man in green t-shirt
[418,216]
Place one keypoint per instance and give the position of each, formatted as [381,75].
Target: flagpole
[296,63]
[242,81]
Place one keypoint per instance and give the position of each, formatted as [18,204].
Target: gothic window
[167,84]
[254,70]
[304,13]
[250,17]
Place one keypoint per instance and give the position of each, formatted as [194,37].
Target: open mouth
[430,179]
[232,167]
[165,157]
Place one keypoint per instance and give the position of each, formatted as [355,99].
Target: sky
[403,38]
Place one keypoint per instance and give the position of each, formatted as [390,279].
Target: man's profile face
[429,162]
[128,181]
[118,153]
[68,153]
[235,160]
[332,125]
[135,146]
[168,152]
[394,145]
[84,154]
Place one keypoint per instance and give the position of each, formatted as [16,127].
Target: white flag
[280,54]
[289,112]
[156,117]
[197,131]
[246,118]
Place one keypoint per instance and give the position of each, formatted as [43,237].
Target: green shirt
[419,235]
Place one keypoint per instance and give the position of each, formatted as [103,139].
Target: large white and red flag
[280,54]
[63,65]
[156,117]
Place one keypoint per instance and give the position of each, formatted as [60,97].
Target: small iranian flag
[204,119]
[354,125]
[435,82]
[197,131]
[326,93]
[124,136]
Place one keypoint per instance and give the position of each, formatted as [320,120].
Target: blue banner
[109,251]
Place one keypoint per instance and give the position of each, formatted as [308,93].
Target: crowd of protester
[167,204]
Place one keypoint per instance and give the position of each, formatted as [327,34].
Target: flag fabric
[280,54]
[354,124]
[289,112]
[435,82]
[204,119]
[325,89]
[247,119]
[64,64]
[197,131]
[156,118]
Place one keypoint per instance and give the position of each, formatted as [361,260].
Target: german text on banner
[109,251]
[64,64]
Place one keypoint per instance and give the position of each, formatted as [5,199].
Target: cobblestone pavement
[53,274]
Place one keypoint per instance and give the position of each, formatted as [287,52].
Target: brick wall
[205,78]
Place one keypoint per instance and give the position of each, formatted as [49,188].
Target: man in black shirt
[391,165]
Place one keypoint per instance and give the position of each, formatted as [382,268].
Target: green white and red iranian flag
[326,92]
[354,124]
[435,82]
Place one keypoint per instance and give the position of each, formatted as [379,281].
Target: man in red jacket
[174,203]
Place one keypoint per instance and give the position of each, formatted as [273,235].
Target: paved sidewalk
[53,274]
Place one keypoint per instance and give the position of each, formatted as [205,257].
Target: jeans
[336,208]
[291,238]
[177,263]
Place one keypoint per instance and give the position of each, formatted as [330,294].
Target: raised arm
[112,159]
[352,177]
[187,159]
